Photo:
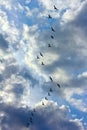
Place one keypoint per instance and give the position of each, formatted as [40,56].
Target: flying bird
[43,103]
[49,45]
[51,78]
[41,54]
[52,29]
[28,124]
[49,16]
[55,7]
[52,36]
[48,94]
[34,110]
[42,63]
[32,114]
[50,90]
[31,120]
[58,85]
[38,57]
[46,98]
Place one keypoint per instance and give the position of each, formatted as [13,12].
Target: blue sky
[25,31]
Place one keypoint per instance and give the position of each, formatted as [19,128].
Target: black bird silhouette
[46,98]
[51,78]
[32,114]
[28,124]
[52,29]
[48,94]
[31,120]
[49,45]
[58,85]
[49,16]
[51,90]
[52,37]
[38,57]
[43,103]
[42,63]
[41,54]
[55,7]
[34,110]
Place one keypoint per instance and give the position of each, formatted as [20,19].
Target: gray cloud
[3,43]
[69,47]
[53,117]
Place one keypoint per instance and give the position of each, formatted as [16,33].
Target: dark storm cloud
[53,118]
[14,117]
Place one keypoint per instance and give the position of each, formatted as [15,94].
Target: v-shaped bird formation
[50,77]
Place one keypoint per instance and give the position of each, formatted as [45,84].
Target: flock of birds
[50,78]
[30,121]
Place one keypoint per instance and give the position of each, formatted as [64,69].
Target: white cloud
[27,1]
[63,60]
[83,75]
[70,8]
[6,4]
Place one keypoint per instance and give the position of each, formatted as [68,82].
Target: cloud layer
[54,117]
[25,32]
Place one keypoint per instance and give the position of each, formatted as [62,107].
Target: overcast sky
[25,32]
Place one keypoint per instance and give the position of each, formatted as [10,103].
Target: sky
[25,84]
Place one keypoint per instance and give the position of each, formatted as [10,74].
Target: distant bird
[31,120]
[55,7]
[43,103]
[49,45]
[48,94]
[46,98]
[52,36]
[32,114]
[34,110]
[28,124]
[51,78]
[51,90]
[41,54]
[58,85]
[42,63]
[38,57]
[49,16]
[52,29]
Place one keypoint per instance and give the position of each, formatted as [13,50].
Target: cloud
[28,1]
[3,43]
[54,117]
[70,48]
[25,33]
[83,75]
[62,60]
